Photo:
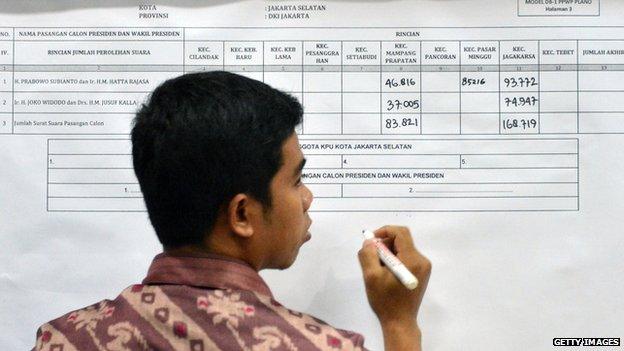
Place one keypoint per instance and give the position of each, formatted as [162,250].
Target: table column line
[302,78]
[47,171]
[500,115]
[420,84]
[183,50]
[381,131]
[578,88]
[539,89]
[13,87]
[459,80]
[341,85]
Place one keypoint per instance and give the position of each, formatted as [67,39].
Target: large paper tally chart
[492,130]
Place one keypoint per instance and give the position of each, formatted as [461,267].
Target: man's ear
[240,213]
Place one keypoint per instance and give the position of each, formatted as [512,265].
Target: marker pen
[392,262]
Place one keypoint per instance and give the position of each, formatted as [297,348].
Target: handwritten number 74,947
[519,101]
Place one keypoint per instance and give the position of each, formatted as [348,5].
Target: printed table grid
[494,86]
[368,175]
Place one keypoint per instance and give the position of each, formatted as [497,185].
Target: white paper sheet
[492,129]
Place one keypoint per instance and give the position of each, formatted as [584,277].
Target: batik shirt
[195,304]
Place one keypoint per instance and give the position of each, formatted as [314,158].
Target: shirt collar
[206,271]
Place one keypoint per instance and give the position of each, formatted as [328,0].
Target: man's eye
[298,181]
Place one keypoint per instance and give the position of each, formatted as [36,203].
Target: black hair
[202,138]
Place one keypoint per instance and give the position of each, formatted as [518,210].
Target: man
[219,166]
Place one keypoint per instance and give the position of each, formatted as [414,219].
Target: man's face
[285,226]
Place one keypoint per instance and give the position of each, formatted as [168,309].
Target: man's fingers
[400,236]
[369,261]
[400,239]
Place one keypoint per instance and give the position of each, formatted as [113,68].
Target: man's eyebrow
[300,167]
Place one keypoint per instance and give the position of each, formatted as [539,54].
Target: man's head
[211,149]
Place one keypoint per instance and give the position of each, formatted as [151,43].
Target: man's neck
[203,250]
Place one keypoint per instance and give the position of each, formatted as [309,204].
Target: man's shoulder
[266,318]
[173,317]
[77,329]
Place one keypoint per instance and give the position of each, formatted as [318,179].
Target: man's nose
[307,198]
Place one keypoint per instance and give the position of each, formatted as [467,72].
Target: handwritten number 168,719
[519,123]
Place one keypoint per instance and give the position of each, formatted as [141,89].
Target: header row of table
[327,53]
[161,33]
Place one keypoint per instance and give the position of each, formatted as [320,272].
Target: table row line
[145,82]
[331,124]
[104,67]
[339,146]
[363,161]
[409,190]
[345,102]
[357,176]
[316,52]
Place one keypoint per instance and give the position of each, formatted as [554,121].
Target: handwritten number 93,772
[520,82]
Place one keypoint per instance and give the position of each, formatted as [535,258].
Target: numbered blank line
[463,192]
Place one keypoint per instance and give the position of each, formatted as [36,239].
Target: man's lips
[308,236]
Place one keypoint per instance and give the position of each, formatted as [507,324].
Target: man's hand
[396,306]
